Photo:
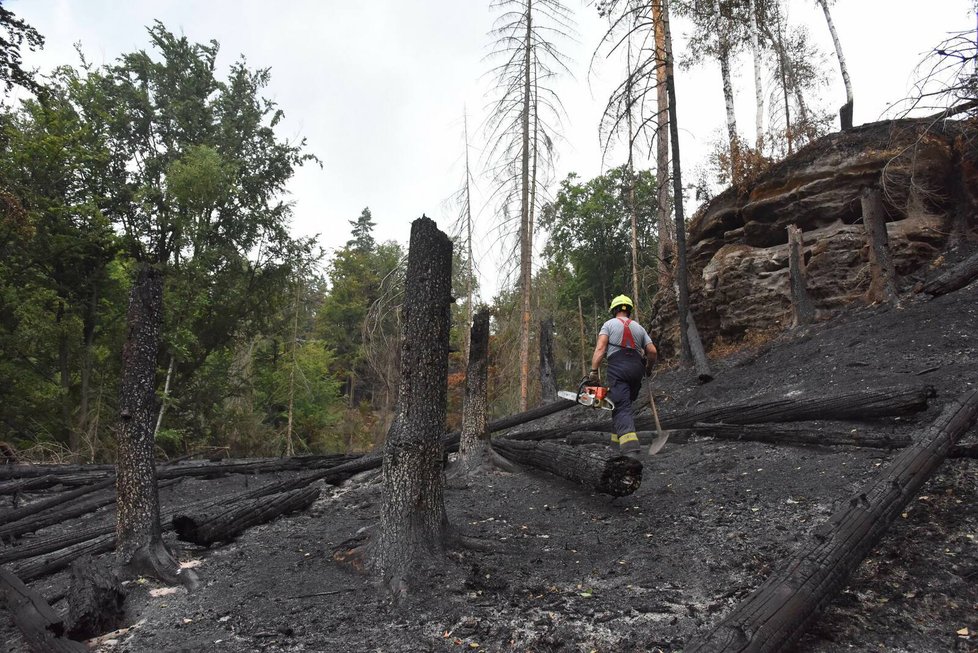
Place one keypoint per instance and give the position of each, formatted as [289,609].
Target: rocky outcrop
[738,251]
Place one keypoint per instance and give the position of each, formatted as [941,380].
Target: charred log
[57,500]
[95,600]
[777,613]
[41,626]
[700,362]
[62,558]
[592,467]
[955,278]
[206,528]
[50,517]
[473,442]
[25,471]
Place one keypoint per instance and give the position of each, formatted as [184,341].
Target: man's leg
[621,394]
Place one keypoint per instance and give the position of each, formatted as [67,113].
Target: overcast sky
[378,87]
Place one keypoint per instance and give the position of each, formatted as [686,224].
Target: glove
[593,378]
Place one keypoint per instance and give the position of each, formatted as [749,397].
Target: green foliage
[590,235]
[362,234]
[16,34]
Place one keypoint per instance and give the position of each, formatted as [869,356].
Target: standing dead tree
[474,443]
[777,613]
[522,128]
[802,309]
[413,522]
[882,287]
[548,378]
[845,111]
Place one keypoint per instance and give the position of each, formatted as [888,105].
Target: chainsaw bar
[587,399]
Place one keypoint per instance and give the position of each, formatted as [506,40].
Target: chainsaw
[592,396]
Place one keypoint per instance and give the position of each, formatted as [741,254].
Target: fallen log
[809,434]
[45,565]
[226,524]
[956,277]
[40,624]
[29,484]
[95,600]
[859,405]
[19,471]
[591,467]
[38,547]
[777,613]
[57,500]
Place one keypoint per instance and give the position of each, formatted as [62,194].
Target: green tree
[362,235]
[197,175]
[17,33]
[590,229]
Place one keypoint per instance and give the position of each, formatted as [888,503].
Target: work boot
[628,445]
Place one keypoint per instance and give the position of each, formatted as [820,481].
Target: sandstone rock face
[738,252]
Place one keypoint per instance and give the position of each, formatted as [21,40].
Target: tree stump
[95,600]
[413,522]
[473,443]
[802,309]
[882,286]
[40,624]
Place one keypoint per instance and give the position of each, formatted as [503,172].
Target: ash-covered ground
[575,571]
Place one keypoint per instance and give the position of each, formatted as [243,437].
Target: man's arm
[599,350]
[651,355]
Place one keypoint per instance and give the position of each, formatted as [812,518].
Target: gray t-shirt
[615,330]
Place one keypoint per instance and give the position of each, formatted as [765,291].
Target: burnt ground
[575,571]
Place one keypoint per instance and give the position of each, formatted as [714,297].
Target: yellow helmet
[620,303]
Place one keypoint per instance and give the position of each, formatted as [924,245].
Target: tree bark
[413,522]
[700,362]
[723,55]
[667,243]
[758,84]
[592,467]
[58,500]
[802,309]
[955,278]
[475,410]
[40,624]
[140,548]
[882,287]
[226,523]
[777,613]
[95,600]
[548,379]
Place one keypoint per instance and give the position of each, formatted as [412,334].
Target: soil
[574,571]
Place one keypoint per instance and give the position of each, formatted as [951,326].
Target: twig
[329,593]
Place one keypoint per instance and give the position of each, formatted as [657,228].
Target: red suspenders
[627,341]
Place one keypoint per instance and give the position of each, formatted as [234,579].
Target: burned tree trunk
[57,515]
[548,380]
[224,524]
[802,309]
[777,613]
[413,522]
[882,286]
[40,624]
[592,467]
[140,545]
[95,600]
[700,361]
[57,500]
[473,444]
[953,279]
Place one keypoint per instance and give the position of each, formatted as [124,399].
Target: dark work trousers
[625,371]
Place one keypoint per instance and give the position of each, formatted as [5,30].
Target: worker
[631,355]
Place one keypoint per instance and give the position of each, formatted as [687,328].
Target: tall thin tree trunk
[289,445]
[802,309]
[548,379]
[758,85]
[68,435]
[677,187]
[666,228]
[139,545]
[882,286]
[469,277]
[85,373]
[783,57]
[526,243]
[580,315]
[728,96]
[632,208]
[413,522]
[845,111]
